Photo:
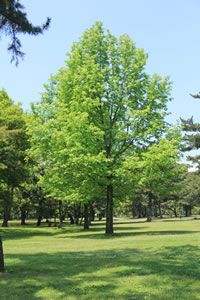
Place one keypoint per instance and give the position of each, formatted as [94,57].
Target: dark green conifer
[192,130]
[192,136]
[13,20]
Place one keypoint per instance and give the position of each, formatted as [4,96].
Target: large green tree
[13,21]
[101,107]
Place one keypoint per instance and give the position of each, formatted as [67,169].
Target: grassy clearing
[158,260]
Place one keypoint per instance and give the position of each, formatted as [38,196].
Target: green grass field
[158,260]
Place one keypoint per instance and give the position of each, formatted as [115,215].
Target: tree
[97,110]
[155,170]
[192,137]
[1,256]
[189,126]
[13,144]
[189,196]
[13,21]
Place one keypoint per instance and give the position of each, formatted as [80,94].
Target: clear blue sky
[168,30]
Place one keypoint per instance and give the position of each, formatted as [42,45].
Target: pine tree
[13,21]
[193,138]
[192,135]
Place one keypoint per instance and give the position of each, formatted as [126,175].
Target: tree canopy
[13,143]
[99,108]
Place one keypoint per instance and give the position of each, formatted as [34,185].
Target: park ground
[158,261]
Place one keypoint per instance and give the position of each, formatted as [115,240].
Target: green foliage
[13,143]
[158,163]
[153,173]
[13,140]
[190,194]
[192,135]
[192,131]
[97,110]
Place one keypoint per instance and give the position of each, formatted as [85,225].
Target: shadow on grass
[77,232]
[106,274]
[116,222]
[95,235]
[23,232]
[177,220]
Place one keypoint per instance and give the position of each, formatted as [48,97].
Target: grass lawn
[158,260]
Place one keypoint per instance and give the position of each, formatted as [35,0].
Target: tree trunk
[23,216]
[156,212]
[109,210]
[175,212]
[7,210]
[159,209]
[71,218]
[1,256]
[86,217]
[190,210]
[92,214]
[39,220]
[187,210]
[149,208]
[76,213]
[60,214]
[6,217]
[101,215]
[140,215]
[145,212]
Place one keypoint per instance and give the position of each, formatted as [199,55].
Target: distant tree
[13,21]
[159,172]
[192,130]
[100,108]
[190,195]
[192,137]
[156,169]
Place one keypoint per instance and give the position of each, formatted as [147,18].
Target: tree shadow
[95,235]
[116,222]
[24,232]
[169,273]
[184,219]
[95,232]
